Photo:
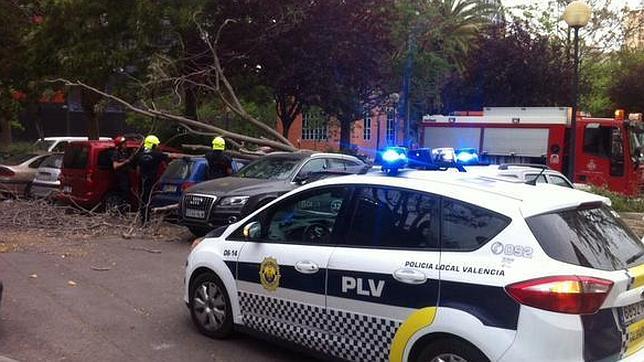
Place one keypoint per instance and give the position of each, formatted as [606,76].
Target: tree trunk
[345,134]
[5,132]
[190,109]
[89,101]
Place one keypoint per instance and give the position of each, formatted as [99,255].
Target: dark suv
[224,201]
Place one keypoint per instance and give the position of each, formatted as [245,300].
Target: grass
[620,202]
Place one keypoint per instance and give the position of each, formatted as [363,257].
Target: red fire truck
[609,151]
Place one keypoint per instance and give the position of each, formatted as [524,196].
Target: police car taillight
[563,294]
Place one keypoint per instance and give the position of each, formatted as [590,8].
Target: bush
[621,203]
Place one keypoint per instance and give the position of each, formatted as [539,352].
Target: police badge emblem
[269,274]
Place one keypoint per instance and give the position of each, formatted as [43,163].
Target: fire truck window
[617,146]
[597,141]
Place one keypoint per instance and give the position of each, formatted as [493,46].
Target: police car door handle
[306,267]
[410,276]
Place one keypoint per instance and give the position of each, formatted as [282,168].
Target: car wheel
[210,306]
[450,350]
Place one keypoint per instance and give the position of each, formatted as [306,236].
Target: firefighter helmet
[150,141]
[218,144]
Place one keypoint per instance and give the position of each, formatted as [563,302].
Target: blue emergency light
[393,159]
[467,156]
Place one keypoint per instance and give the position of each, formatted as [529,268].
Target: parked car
[524,172]
[58,144]
[223,201]
[180,175]
[88,179]
[46,181]
[17,173]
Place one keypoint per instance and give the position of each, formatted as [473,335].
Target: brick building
[377,129]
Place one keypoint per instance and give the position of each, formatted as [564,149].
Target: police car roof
[500,195]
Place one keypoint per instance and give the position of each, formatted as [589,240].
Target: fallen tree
[214,81]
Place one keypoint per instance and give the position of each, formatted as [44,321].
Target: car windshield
[270,168]
[53,161]
[594,237]
[178,169]
[42,145]
[18,159]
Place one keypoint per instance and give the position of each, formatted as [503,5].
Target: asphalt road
[132,312]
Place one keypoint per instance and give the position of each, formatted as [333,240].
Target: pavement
[122,300]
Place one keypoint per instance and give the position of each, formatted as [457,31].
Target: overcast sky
[617,3]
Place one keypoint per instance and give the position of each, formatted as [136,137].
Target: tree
[92,42]
[13,22]
[513,67]
[627,87]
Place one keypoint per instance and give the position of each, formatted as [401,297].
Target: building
[634,28]
[377,129]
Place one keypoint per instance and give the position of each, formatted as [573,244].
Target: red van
[87,178]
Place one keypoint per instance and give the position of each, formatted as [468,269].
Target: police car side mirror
[253,230]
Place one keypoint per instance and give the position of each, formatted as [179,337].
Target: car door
[281,272]
[384,269]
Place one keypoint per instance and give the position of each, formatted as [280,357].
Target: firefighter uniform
[148,162]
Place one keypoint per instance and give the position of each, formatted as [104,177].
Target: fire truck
[609,152]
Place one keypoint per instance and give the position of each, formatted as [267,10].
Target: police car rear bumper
[546,336]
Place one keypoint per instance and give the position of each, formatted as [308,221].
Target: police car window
[595,238]
[467,227]
[383,217]
[309,219]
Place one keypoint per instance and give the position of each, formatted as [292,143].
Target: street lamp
[576,15]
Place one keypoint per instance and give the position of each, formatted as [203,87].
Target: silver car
[46,180]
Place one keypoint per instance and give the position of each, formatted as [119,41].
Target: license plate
[633,313]
[67,189]
[169,188]
[197,214]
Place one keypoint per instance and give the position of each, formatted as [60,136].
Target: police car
[427,266]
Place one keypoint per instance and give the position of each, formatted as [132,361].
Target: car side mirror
[301,178]
[253,230]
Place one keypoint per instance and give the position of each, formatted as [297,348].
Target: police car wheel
[210,307]
[450,350]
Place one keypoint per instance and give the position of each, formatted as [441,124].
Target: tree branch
[153,113]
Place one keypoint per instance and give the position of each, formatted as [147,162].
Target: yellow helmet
[150,141]
[218,144]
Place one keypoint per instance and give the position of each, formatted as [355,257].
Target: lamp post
[576,15]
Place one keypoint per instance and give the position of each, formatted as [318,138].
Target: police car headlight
[234,201]
[196,242]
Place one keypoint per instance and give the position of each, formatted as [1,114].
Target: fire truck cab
[609,152]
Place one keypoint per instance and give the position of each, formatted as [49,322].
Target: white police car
[427,267]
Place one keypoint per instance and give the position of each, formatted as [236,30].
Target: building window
[314,127]
[391,127]
[366,131]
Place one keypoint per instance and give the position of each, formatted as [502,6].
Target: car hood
[237,186]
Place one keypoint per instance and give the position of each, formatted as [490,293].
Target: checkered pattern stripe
[295,322]
[360,337]
[350,336]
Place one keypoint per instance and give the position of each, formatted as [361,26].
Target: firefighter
[120,163]
[148,162]
[219,164]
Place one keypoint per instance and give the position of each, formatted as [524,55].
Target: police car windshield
[594,238]
[270,168]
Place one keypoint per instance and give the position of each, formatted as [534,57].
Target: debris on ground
[67,231]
